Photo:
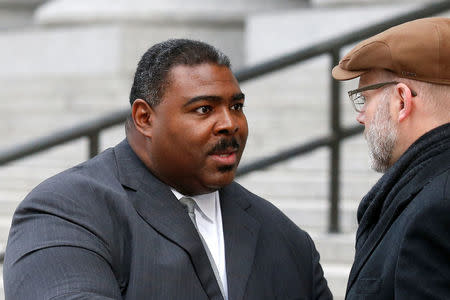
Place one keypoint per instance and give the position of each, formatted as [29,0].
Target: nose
[226,123]
[360,118]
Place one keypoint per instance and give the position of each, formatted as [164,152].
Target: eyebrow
[235,97]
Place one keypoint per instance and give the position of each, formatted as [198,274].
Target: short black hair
[150,79]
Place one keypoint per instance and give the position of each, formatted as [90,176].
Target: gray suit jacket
[109,229]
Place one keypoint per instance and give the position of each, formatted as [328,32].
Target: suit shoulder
[98,170]
[77,203]
[276,228]
[93,184]
[267,213]
[255,202]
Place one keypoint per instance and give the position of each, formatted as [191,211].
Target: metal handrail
[332,47]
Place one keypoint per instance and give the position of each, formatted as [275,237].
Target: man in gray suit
[159,216]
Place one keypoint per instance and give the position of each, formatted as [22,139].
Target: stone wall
[17,13]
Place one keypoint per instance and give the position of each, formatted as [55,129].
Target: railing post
[94,144]
[335,124]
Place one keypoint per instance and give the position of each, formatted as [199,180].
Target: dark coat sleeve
[58,247]
[320,285]
[423,270]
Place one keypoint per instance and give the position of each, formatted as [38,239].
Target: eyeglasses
[358,100]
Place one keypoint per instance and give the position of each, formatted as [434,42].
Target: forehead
[201,76]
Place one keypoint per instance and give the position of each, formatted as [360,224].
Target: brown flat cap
[418,50]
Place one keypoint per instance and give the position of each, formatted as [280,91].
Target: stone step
[2,291]
[5,224]
[302,188]
[313,216]
[335,248]
[9,201]
[337,276]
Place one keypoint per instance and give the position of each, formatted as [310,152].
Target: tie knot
[189,203]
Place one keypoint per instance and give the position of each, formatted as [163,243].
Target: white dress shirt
[209,223]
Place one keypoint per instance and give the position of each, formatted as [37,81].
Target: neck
[410,131]
[139,145]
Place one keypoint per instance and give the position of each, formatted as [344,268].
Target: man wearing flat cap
[403,100]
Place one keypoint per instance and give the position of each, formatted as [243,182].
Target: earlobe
[405,98]
[142,114]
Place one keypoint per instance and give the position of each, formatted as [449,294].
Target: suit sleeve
[320,285]
[57,250]
[307,254]
[423,270]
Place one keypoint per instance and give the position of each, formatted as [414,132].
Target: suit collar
[240,235]
[158,206]
[130,168]
[403,198]
[207,204]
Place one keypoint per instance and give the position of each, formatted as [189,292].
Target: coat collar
[158,206]
[402,199]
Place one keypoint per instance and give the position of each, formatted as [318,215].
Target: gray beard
[381,138]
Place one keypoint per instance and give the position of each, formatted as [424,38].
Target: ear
[405,103]
[142,114]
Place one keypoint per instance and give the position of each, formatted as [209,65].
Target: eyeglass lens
[358,101]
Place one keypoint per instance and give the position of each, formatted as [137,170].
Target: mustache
[224,144]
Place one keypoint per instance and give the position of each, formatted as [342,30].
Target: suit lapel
[240,235]
[158,206]
[403,198]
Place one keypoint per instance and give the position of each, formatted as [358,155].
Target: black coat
[403,243]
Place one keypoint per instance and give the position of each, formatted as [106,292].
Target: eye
[238,106]
[360,102]
[203,109]
[360,99]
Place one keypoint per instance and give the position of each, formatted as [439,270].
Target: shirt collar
[206,203]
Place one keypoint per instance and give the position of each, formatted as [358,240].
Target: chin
[222,182]
[226,169]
